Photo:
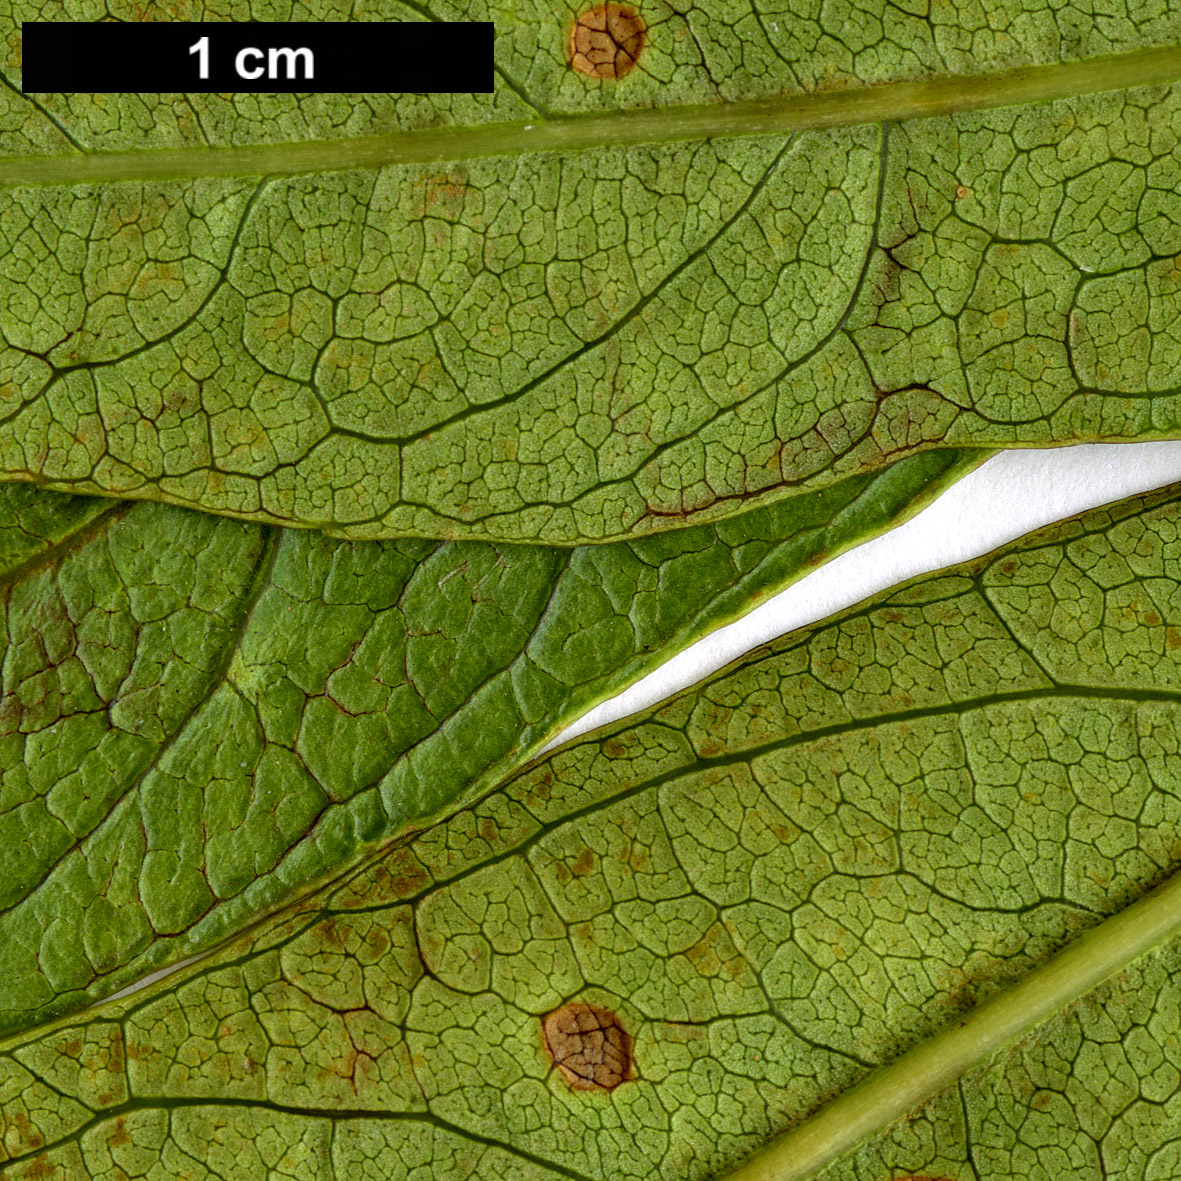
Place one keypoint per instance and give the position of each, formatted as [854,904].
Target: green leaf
[1091,1093]
[579,310]
[777,882]
[201,719]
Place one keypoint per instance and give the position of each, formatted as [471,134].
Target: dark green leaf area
[109,649]
[201,718]
[776,881]
[31,521]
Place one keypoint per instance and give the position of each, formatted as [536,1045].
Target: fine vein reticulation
[201,718]
[585,337]
[1094,1094]
[773,883]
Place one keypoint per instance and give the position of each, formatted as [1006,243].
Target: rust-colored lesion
[583,863]
[40,1167]
[119,1138]
[589,1046]
[606,41]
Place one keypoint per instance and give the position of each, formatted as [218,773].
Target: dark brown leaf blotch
[606,41]
[589,1046]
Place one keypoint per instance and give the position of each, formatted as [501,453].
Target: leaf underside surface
[600,341]
[201,718]
[777,881]
[1093,1094]
[693,316]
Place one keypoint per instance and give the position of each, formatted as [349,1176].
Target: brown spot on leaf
[539,789]
[39,1167]
[118,1058]
[27,1137]
[398,876]
[119,1137]
[446,189]
[606,41]
[583,863]
[589,1046]
[377,943]
[327,934]
[962,191]
[1172,638]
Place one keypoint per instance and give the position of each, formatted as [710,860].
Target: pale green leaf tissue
[611,338]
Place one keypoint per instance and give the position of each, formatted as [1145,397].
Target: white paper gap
[1010,495]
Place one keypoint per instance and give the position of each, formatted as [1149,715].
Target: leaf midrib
[888,102]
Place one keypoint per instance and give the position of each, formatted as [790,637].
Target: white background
[1012,493]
